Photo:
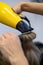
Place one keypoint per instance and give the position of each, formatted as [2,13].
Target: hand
[17,8]
[10,46]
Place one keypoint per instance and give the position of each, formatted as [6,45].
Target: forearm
[33,7]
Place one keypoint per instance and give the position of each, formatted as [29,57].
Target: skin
[10,47]
[10,44]
[32,7]
[26,50]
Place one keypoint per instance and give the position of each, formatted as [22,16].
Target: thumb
[16,10]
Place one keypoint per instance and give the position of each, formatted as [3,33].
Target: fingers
[6,35]
[8,39]
[9,35]
[2,39]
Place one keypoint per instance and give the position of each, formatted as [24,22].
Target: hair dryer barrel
[7,16]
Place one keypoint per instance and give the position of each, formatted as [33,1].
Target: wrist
[19,60]
[24,6]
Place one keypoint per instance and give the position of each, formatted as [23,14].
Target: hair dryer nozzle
[23,27]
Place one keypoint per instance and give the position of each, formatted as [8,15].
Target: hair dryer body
[7,16]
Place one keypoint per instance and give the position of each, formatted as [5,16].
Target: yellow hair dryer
[10,18]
